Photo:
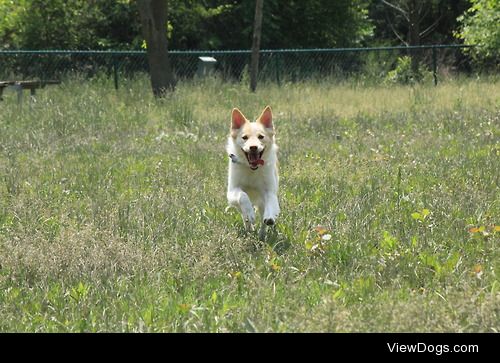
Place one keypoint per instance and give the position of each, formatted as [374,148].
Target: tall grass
[112,210]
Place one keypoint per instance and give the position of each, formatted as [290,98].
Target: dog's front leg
[271,210]
[239,199]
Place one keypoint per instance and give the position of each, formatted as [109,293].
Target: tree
[69,24]
[391,27]
[413,12]
[479,27]
[153,14]
[257,30]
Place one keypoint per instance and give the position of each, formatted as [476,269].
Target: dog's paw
[271,213]
[269,221]
[248,214]
[249,219]
[249,227]
[249,224]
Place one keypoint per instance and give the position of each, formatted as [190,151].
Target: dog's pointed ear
[237,119]
[266,118]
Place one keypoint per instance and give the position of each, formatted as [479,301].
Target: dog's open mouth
[254,159]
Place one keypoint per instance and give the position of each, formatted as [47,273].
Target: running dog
[253,169]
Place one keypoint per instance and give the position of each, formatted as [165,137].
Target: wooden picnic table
[22,85]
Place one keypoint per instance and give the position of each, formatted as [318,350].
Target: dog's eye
[261,137]
[244,137]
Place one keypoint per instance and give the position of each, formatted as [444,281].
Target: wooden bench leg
[19,90]
[32,96]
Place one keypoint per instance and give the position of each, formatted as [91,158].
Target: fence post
[434,65]
[277,67]
[115,71]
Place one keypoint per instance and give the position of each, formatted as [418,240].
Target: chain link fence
[402,64]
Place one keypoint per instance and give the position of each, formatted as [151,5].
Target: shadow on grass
[274,239]
[278,242]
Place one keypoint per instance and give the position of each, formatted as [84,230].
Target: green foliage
[315,23]
[197,25]
[286,24]
[205,24]
[10,15]
[72,24]
[479,27]
[389,242]
[403,73]
[193,24]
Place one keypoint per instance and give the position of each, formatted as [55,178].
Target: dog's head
[252,139]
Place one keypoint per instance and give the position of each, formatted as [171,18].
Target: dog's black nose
[253,148]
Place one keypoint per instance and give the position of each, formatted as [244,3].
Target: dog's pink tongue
[256,163]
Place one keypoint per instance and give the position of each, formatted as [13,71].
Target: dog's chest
[257,180]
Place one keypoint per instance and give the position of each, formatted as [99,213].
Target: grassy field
[112,210]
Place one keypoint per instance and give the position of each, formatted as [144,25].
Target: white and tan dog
[253,169]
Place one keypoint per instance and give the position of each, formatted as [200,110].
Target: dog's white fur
[253,184]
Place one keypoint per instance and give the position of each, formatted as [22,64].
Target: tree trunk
[153,15]
[414,35]
[257,30]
